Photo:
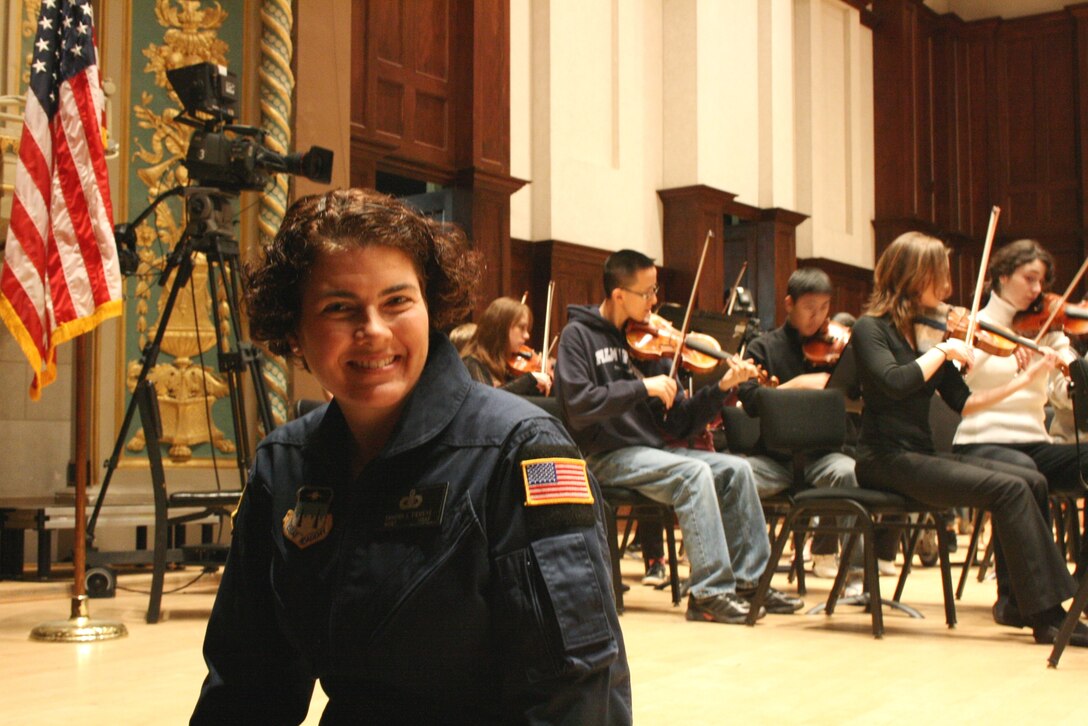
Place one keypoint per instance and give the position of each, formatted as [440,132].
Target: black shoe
[1047,634]
[725,608]
[1007,614]
[776,602]
[655,574]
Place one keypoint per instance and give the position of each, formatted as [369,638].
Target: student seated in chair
[781,353]
[620,411]
[503,329]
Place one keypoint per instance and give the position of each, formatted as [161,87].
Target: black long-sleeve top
[523,385]
[896,394]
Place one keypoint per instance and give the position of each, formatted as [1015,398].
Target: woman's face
[364,328]
[519,333]
[1024,284]
[936,292]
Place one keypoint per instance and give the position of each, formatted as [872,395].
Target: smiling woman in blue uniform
[429,548]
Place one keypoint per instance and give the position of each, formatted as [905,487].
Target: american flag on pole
[61,276]
[556,481]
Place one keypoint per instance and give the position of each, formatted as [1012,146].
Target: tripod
[208,230]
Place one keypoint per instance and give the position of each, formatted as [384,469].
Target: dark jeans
[1057,462]
[1030,566]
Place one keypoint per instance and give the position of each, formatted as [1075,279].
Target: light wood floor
[789,669]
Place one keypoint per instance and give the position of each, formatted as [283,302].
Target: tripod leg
[145,394]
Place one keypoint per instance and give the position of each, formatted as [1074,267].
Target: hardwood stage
[788,669]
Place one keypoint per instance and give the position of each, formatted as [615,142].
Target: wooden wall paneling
[977,129]
[922,90]
[777,253]
[1079,15]
[577,271]
[893,104]
[688,213]
[946,176]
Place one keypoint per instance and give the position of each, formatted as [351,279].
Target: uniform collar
[430,407]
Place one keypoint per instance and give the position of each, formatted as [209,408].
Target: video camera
[221,156]
[228,156]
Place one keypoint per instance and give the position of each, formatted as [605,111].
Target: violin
[700,353]
[825,346]
[989,338]
[525,360]
[1068,317]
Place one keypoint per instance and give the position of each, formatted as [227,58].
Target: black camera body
[233,159]
[228,156]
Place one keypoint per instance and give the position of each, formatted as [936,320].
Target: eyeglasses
[647,296]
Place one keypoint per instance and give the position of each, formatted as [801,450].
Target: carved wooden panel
[404,73]
[969,115]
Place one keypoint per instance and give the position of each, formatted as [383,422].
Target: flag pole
[79,627]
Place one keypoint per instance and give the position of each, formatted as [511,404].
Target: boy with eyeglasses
[620,412]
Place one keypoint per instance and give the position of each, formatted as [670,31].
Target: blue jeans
[715,499]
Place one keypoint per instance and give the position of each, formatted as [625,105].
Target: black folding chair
[802,421]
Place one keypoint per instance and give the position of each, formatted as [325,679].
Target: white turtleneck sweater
[1018,418]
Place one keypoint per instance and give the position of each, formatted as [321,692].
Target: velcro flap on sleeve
[573,590]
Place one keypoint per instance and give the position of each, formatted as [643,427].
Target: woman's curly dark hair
[355,218]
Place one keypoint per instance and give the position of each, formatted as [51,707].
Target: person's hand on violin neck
[740,370]
[661,387]
[1043,362]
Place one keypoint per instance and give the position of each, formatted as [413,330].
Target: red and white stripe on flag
[61,275]
[555,481]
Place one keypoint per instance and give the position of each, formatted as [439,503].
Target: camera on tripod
[221,155]
[228,156]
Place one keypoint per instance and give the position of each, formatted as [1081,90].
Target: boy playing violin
[619,412]
[781,353]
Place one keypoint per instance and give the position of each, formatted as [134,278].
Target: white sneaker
[825,566]
[886,568]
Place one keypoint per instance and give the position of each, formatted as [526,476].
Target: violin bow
[1058,306]
[972,321]
[691,306]
[547,329]
[736,286]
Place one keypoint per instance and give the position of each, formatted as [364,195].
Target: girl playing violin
[501,333]
[1013,429]
[896,450]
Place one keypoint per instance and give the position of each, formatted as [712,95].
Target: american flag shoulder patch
[555,480]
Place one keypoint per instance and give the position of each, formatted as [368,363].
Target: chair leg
[1080,601]
[913,536]
[799,561]
[674,572]
[845,558]
[772,564]
[872,577]
[987,559]
[943,542]
[972,553]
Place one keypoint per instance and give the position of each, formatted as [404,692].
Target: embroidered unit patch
[555,481]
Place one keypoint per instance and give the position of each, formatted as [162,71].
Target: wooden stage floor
[797,669]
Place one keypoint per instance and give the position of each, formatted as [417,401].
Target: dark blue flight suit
[431,592]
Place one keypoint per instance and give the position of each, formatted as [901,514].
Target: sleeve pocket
[572,589]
